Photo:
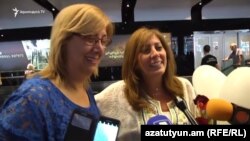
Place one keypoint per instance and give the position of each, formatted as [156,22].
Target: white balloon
[236,88]
[208,80]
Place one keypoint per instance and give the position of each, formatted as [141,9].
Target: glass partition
[219,42]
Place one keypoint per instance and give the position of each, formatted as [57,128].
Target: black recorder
[84,127]
[81,127]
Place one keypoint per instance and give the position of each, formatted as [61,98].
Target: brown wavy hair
[131,74]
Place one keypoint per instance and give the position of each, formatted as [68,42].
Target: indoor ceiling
[143,11]
[116,4]
[157,10]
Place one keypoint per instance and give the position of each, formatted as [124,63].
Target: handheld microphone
[182,105]
[220,109]
[159,120]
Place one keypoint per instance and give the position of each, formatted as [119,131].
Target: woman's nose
[154,52]
[98,46]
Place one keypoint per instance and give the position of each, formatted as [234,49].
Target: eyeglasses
[90,40]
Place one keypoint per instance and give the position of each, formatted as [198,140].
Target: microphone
[220,109]
[182,105]
[159,120]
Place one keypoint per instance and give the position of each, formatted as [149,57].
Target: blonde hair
[85,19]
[233,46]
[132,75]
[30,67]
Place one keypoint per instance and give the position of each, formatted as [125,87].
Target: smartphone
[107,129]
[81,127]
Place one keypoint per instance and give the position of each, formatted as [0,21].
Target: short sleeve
[21,120]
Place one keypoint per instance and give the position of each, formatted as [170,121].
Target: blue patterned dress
[38,111]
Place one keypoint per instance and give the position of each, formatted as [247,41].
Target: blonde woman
[42,107]
[236,55]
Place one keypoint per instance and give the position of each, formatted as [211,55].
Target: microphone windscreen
[159,120]
[219,109]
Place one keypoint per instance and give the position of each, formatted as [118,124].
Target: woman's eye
[158,48]
[146,50]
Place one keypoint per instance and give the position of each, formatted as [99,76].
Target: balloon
[207,81]
[236,87]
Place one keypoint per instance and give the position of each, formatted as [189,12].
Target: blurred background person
[147,93]
[209,59]
[236,55]
[29,71]
[42,107]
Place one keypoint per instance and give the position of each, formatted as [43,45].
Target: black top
[209,60]
[235,57]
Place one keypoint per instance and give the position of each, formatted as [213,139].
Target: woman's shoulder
[186,82]
[188,89]
[36,83]
[189,93]
[114,87]
[112,101]
[183,79]
[29,95]
[117,84]
[32,89]
[35,79]
[112,92]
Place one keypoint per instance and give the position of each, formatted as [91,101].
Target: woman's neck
[153,81]
[153,86]
[155,89]
[70,84]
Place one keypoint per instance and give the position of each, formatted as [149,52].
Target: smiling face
[84,52]
[152,58]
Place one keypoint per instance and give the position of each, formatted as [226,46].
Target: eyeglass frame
[90,40]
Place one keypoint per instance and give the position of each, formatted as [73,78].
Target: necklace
[156,93]
[160,96]
[153,93]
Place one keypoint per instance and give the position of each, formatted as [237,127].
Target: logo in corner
[15,11]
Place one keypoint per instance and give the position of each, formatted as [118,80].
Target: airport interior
[187,26]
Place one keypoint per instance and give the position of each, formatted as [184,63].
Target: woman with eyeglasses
[43,107]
